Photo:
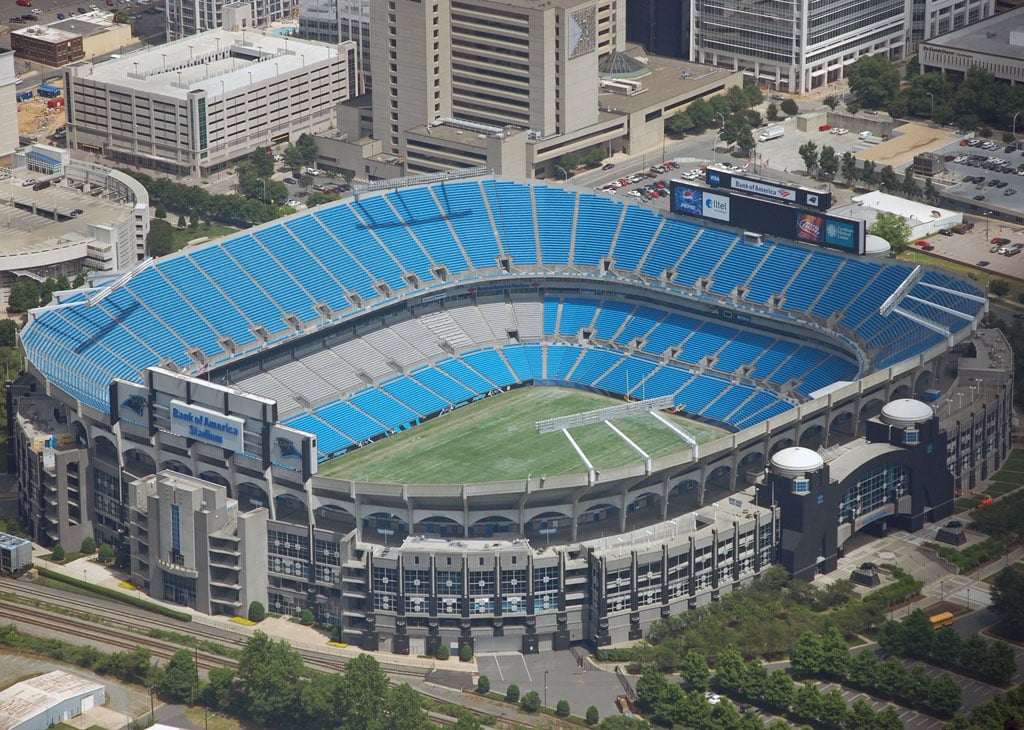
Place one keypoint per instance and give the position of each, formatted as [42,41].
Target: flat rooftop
[218,61]
[669,79]
[24,232]
[48,33]
[91,23]
[990,37]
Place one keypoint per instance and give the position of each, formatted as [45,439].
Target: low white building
[924,219]
[41,702]
[195,105]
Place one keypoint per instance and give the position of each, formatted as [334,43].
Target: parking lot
[987,173]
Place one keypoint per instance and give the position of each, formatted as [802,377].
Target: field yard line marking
[629,442]
[527,668]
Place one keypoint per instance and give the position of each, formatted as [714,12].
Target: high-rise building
[660,26]
[931,18]
[8,105]
[334,21]
[489,62]
[188,17]
[796,46]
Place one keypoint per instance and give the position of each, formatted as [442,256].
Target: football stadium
[487,411]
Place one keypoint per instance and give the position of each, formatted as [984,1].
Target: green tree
[512,693]
[930,193]
[105,554]
[322,701]
[999,287]
[729,669]
[217,692]
[874,80]
[178,682]
[789,107]
[57,553]
[88,546]
[909,187]
[778,690]
[8,333]
[831,101]
[317,198]
[700,112]
[755,680]
[466,720]
[161,212]
[466,653]
[752,92]
[809,154]
[403,710]
[945,696]
[363,688]
[562,708]
[1007,599]
[736,130]
[443,652]
[269,681]
[888,179]
[181,222]
[1001,663]
[160,240]
[695,672]
[807,655]
[893,228]
[832,711]
[651,690]
[849,167]
[483,684]
[807,702]
[772,112]
[867,173]
[257,611]
[24,295]
[592,715]
[828,161]
[835,654]
[679,123]
[530,702]
[863,669]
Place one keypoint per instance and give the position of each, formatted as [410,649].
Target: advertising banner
[202,424]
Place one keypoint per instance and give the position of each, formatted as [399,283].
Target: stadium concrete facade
[181,413]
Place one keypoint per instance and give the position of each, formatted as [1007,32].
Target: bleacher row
[254,289]
[403,401]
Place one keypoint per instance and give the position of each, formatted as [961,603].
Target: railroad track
[77,617]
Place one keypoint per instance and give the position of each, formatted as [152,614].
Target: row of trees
[829,656]
[914,636]
[976,101]
[195,200]
[673,705]
[29,293]
[761,621]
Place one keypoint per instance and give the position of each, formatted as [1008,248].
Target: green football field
[495,439]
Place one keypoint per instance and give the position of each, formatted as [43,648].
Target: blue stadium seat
[554,208]
[512,209]
[414,396]
[395,235]
[635,236]
[596,223]
[429,224]
[464,205]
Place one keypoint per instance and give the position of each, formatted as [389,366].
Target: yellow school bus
[942,620]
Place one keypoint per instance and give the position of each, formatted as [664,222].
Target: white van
[863,135]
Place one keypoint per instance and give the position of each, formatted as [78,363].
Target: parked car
[609,166]
[824,127]
[25,3]
[998,241]
[290,181]
[921,243]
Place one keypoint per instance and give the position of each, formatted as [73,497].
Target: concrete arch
[901,391]
[290,508]
[176,466]
[924,381]
[385,527]
[139,462]
[812,437]
[549,526]
[439,526]
[779,445]
[871,408]
[493,525]
[106,449]
[335,518]
[251,496]
[215,477]
[81,435]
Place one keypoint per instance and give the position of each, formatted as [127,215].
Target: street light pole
[714,149]
[546,687]
[565,175]
[931,95]
[1015,145]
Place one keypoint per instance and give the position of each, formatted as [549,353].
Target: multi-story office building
[995,45]
[796,46]
[8,105]
[334,21]
[188,17]
[194,105]
[931,18]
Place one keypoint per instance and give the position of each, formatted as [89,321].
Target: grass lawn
[183,235]
[965,503]
[495,439]
[998,489]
